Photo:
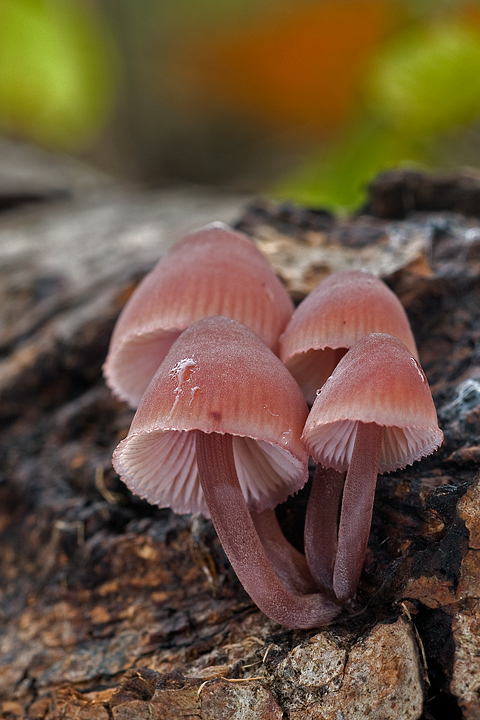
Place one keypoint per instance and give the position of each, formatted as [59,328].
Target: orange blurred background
[243,94]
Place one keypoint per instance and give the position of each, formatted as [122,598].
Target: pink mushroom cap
[343,308]
[218,377]
[212,271]
[378,381]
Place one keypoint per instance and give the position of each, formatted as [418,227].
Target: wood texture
[111,608]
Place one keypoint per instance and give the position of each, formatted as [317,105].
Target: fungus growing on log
[218,432]
[212,271]
[374,414]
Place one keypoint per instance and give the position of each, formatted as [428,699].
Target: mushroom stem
[357,507]
[321,524]
[290,565]
[240,540]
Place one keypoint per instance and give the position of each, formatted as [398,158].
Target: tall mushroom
[212,271]
[374,414]
[218,432]
[343,308]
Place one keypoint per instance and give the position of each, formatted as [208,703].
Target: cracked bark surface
[111,608]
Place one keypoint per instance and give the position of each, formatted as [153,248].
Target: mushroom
[344,307]
[218,432]
[212,271]
[374,414]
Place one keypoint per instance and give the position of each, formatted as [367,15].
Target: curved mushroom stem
[240,540]
[357,506]
[289,564]
[321,524]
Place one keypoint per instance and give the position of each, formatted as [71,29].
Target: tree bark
[111,608]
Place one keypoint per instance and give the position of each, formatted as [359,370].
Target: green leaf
[429,80]
[56,72]
[338,179]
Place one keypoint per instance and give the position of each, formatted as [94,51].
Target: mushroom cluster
[221,367]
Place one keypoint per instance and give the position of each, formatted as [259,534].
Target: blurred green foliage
[56,72]
[422,86]
[336,178]
[234,91]
[428,80]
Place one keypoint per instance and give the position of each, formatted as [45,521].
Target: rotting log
[112,608]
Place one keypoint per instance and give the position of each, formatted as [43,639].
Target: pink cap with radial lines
[342,309]
[212,271]
[378,381]
[217,377]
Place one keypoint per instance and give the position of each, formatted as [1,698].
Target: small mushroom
[342,309]
[374,414]
[218,432]
[212,271]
